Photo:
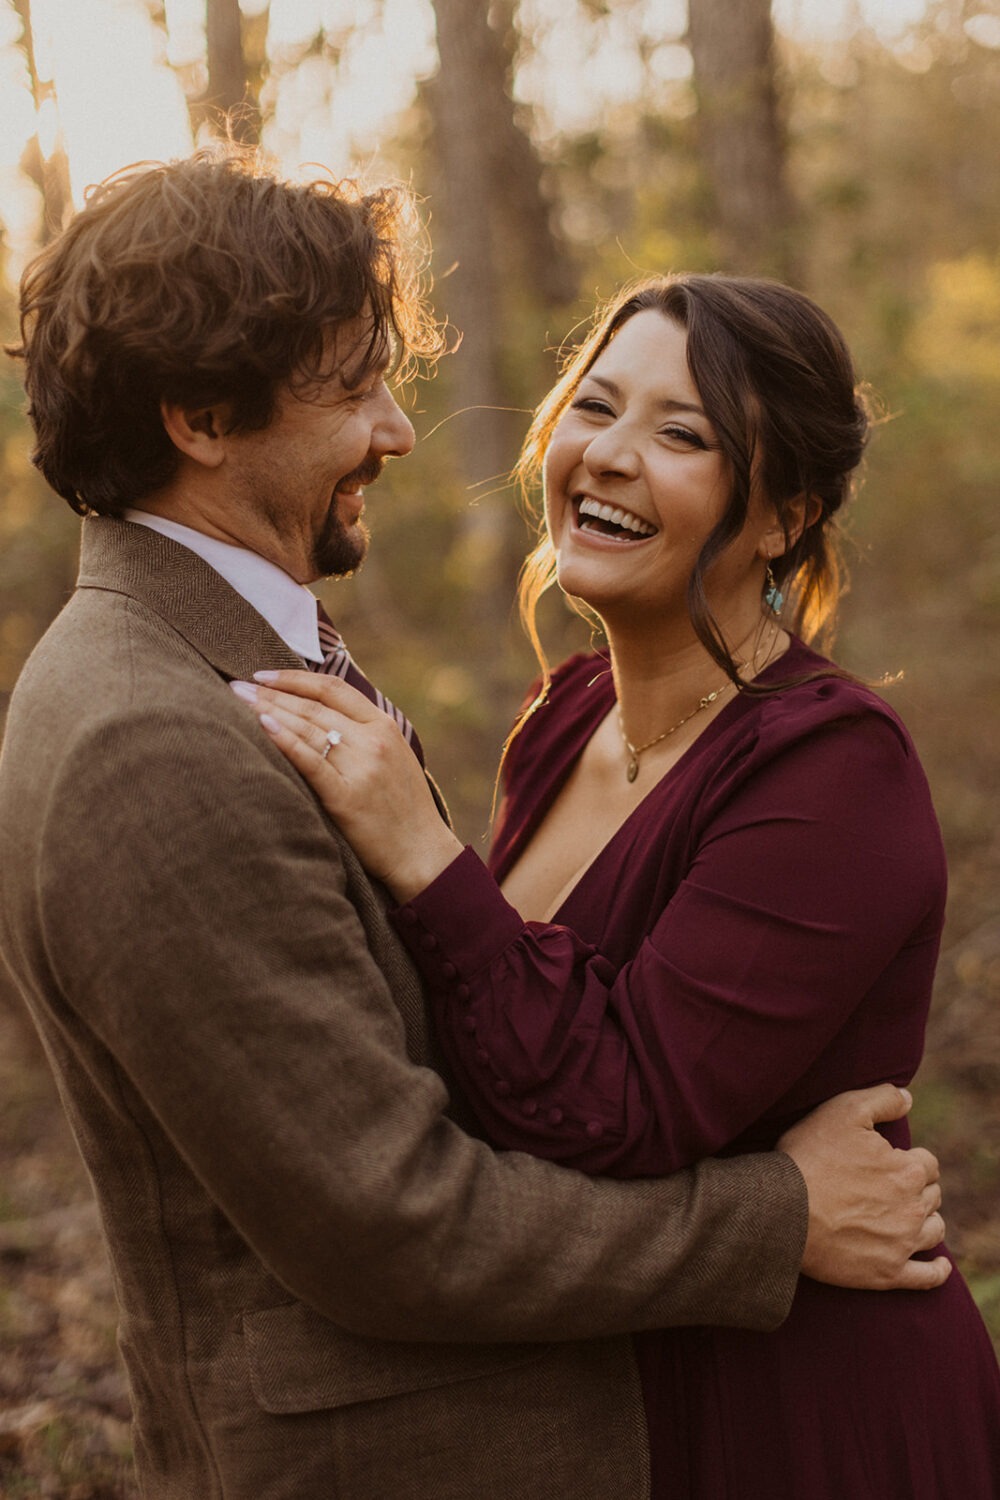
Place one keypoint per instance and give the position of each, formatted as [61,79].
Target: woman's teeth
[611,516]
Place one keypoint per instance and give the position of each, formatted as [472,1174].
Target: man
[326,1287]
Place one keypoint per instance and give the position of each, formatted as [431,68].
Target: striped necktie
[338,662]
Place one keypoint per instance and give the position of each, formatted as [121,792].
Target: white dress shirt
[288,607]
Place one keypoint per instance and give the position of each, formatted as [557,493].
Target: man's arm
[206,938]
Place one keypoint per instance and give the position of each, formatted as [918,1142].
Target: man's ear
[802,512]
[198,432]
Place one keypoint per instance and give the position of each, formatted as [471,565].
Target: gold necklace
[634,751]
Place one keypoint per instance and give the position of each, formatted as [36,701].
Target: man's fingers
[880,1104]
[927,1162]
[932,1232]
[930,1198]
[861,1108]
[923,1275]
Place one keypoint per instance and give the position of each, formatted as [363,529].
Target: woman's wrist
[416,869]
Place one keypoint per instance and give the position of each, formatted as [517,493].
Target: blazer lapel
[228,633]
[182,589]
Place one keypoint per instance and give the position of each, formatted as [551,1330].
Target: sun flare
[110,92]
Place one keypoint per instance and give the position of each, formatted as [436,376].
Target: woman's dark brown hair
[778,385]
[201,282]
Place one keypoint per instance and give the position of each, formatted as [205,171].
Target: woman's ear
[197,432]
[801,513]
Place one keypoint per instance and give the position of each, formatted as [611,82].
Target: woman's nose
[612,451]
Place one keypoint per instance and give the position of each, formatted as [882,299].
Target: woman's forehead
[648,352]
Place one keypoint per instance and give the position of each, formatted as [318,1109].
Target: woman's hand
[362,770]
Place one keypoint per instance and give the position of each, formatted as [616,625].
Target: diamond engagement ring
[333,737]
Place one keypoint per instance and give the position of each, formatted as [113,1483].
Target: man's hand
[870,1206]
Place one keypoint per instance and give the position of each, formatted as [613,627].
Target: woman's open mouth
[598,518]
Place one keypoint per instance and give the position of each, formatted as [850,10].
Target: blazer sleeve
[194,913]
[816,871]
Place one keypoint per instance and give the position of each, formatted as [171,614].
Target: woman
[721,884]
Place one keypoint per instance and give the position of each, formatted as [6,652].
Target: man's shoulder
[103,773]
[112,693]
[103,651]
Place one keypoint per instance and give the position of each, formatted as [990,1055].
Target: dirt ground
[64,1412]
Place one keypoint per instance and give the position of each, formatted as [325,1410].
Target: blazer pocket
[300,1362]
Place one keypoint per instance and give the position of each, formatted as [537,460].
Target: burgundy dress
[759,935]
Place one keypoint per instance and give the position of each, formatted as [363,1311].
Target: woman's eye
[593,404]
[683,435]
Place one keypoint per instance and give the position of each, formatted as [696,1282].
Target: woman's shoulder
[581,671]
[579,687]
[814,696]
[577,694]
[821,748]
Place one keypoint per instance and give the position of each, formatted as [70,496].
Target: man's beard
[339,549]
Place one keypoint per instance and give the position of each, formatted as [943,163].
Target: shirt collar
[288,607]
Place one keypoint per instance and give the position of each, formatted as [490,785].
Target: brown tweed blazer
[327,1288]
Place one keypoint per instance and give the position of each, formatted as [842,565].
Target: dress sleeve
[805,883]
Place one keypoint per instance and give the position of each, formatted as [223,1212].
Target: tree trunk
[50,174]
[470,63]
[228,104]
[492,227]
[741,135]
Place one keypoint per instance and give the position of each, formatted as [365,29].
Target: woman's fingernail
[265,676]
[271,725]
[245,690]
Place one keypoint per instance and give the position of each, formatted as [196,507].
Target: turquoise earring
[773,596]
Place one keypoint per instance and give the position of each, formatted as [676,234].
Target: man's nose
[394,434]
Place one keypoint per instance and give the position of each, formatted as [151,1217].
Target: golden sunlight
[109,90]
[116,101]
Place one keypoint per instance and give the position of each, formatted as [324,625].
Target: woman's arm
[818,870]
[804,888]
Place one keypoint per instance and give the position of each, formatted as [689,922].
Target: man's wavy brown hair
[201,282]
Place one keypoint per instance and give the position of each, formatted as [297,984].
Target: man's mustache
[365,473]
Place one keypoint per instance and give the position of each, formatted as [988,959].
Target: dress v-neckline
[659,788]
[584,731]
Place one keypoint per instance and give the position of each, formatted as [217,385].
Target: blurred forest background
[562,146]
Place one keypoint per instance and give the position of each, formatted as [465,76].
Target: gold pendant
[632,769]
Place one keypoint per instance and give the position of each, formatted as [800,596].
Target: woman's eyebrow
[668,403]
